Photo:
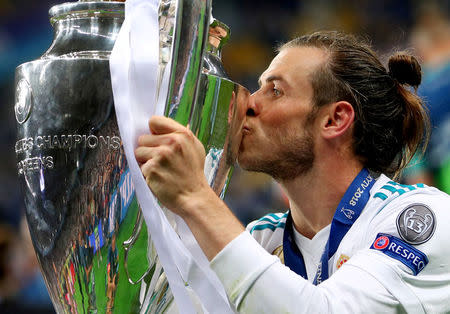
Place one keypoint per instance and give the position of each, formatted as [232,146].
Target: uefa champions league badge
[24,101]
[416,224]
[401,251]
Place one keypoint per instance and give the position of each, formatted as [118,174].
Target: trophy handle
[128,244]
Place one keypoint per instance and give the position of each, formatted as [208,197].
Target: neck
[314,196]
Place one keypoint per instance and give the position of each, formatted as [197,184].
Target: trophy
[86,225]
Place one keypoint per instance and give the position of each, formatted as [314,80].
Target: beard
[294,157]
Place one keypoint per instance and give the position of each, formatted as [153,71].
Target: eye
[276,92]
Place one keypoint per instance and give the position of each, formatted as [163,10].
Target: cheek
[283,124]
[285,115]
[276,119]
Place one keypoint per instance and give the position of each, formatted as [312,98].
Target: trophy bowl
[86,225]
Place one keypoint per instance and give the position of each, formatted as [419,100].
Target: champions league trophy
[86,225]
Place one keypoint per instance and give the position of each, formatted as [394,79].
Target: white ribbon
[134,72]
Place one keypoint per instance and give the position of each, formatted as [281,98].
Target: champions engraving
[67,142]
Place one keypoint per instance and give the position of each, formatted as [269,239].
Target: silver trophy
[85,222]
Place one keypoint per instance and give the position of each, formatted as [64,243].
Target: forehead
[295,64]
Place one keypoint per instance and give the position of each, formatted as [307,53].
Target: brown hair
[391,120]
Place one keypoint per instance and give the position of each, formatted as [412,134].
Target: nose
[252,107]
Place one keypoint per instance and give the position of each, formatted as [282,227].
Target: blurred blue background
[257,27]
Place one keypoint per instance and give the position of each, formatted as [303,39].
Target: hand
[172,162]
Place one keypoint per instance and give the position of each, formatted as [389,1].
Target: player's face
[278,134]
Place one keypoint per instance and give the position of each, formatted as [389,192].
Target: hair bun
[405,69]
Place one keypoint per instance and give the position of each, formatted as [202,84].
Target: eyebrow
[270,79]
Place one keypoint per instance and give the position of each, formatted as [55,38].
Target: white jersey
[394,259]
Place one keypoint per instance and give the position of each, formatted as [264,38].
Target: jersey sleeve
[374,280]
[406,250]
[257,282]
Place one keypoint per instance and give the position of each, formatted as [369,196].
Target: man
[326,123]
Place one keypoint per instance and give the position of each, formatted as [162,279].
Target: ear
[338,118]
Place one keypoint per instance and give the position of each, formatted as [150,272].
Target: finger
[164,125]
[151,140]
[147,170]
[143,154]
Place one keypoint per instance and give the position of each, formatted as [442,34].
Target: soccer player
[331,124]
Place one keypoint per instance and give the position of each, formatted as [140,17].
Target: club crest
[279,252]
[416,224]
[342,260]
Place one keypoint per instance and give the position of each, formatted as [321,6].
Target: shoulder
[269,222]
[391,201]
[402,242]
[268,230]
[410,221]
